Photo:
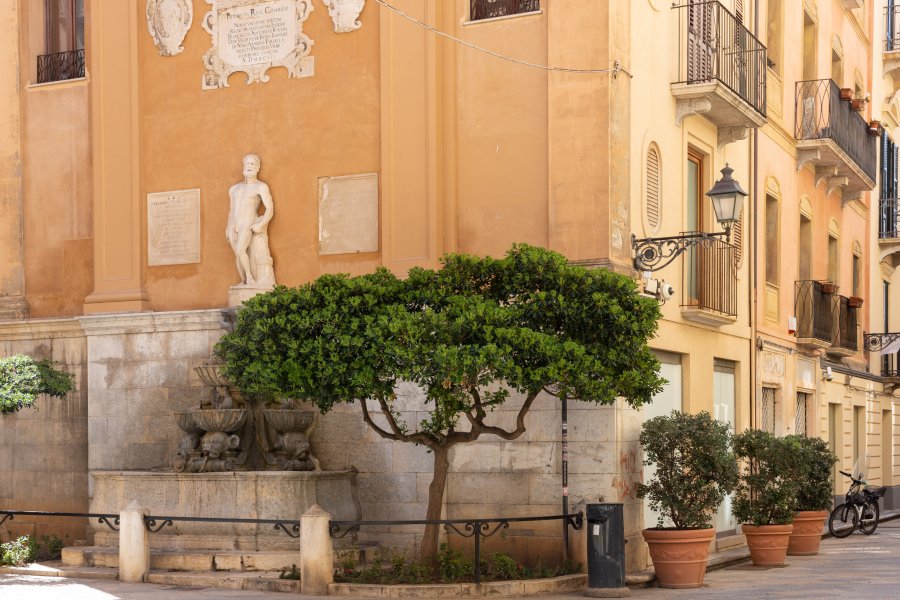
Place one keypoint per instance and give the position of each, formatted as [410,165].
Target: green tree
[22,379]
[469,334]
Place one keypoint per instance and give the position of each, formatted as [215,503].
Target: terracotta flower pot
[768,544]
[679,555]
[807,533]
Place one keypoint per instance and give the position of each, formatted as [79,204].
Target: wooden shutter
[653,191]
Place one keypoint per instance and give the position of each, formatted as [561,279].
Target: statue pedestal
[238,294]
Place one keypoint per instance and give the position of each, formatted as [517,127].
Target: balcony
[814,308]
[491,9]
[60,66]
[889,227]
[721,71]
[834,138]
[844,341]
[888,346]
[710,290]
[891,56]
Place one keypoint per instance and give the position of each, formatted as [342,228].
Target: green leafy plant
[504,567]
[470,335]
[22,379]
[813,466]
[767,488]
[51,547]
[19,552]
[292,573]
[695,468]
[453,565]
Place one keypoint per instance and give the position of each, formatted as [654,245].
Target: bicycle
[860,509]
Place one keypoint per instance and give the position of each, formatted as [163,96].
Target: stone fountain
[238,458]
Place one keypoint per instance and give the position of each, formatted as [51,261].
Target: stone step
[255,581]
[729,542]
[192,560]
[215,560]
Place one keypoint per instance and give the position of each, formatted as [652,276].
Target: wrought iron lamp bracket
[654,254]
[876,342]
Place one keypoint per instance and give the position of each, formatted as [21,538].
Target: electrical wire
[615,70]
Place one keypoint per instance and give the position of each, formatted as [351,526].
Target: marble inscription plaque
[252,36]
[173,228]
[348,214]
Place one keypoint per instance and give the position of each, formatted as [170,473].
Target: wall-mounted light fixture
[653,254]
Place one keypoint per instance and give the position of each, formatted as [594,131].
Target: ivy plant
[767,487]
[695,468]
[469,334]
[813,470]
[23,379]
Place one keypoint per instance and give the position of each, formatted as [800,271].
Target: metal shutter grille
[767,410]
[800,414]
[653,189]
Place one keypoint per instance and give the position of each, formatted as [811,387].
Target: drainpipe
[754,277]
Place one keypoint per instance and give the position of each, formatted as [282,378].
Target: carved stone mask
[296,445]
[216,443]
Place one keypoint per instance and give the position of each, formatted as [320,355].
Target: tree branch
[478,426]
[416,438]
[368,419]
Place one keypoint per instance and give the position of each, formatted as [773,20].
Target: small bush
[22,379]
[767,490]
[292,573]
[812,470]
[19,552]
[51,547]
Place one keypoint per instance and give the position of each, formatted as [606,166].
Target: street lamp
[653,254]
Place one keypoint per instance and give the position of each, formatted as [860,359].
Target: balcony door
[701,51]
[888,209]
[694,222]
[63,25]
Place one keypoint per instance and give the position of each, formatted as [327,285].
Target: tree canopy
[469,334]
[22,379]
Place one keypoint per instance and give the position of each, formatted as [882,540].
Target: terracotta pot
[855,302]
[679,555]
[807,533]
[846,94]
[768,544]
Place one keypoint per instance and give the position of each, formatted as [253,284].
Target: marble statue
[247,230]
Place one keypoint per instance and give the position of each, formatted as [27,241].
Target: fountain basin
[285,420]
[242,494]
[220,419]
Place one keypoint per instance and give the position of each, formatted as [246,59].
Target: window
[888,208]
[767,410]
[837,61]
[694,220]
[809,47]
[774,41]
[489,9]
[887,448]
[833,259]
[857,276]
[63,56]
[805,273]
[653,189]
[772,246]
[859,441]
[800,414]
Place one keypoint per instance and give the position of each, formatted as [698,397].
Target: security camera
[828,375]
[666,291]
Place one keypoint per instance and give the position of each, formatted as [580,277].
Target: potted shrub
[695,469]
[813,465]
[875,128]
[855,302]
[765,494]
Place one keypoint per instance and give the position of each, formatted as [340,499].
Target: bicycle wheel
[843,520]
[870,514]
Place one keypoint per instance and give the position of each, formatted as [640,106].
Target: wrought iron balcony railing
[814,307]
[892,28]
[489,9]
[711,278]
[715,46]
[844,332]
[821,114]
[886,345]
[60,66]
[888,218]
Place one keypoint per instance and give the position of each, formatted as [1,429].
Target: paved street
[857,566]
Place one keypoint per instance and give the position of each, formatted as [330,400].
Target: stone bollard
[316,552]
[134,544]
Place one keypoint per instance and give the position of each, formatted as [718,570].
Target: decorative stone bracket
[345,14]
[685,107]
[807,156]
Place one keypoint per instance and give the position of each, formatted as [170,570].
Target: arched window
[653,189]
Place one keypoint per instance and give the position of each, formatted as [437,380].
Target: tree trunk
[435,502]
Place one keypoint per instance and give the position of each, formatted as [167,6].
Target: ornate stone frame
[167,31]
[298,62]
[345,14]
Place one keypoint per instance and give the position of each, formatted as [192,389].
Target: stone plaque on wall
[348,214]
[173,228]
[253,36]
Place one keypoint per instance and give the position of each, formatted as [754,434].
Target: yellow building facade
[570,125]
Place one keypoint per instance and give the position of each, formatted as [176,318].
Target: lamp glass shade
[727,197]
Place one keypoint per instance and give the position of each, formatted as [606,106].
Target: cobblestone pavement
[856,566]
